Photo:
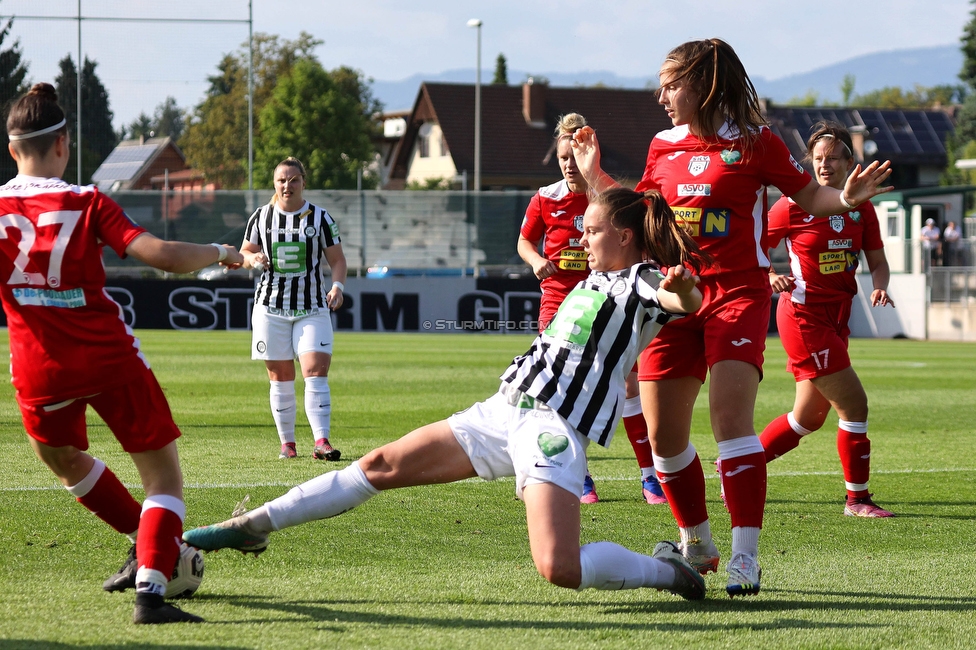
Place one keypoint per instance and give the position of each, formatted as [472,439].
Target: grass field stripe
[596,477]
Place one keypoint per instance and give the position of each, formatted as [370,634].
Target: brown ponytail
[658,233]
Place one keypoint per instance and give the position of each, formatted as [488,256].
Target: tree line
[326,118]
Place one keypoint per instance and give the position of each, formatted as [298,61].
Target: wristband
[342,287]
[844,202]
[221,252]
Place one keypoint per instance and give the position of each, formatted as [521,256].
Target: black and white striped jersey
[579,364]
[295,244]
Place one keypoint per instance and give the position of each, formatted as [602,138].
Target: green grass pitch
[449,566]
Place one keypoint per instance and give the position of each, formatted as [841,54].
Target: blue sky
[142,63]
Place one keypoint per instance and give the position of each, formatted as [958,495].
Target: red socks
[684,487]
[105,496]
[160,532]
[854,448]
[779,437]
[636,427]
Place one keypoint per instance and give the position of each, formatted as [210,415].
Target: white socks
[609,566]
[318,405]
[324,496]
[283,409]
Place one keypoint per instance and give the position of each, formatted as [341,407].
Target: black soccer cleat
[151,609]
[124,578]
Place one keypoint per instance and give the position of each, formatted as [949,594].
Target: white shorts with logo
[528,441]
[280,334]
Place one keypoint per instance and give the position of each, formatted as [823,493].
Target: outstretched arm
[862,185]
[179,256]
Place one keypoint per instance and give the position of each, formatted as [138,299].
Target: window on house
[423,140]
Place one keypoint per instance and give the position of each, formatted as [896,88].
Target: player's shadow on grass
[335,614]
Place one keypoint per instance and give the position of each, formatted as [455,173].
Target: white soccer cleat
[744,575]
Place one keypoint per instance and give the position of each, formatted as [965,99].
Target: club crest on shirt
[618,288]
[578,222]
[697,165]
[730,157]
[837,222]
[309,231]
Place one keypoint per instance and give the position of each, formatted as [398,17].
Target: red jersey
[824,250]
[556,214]
[718,190]
[67,337]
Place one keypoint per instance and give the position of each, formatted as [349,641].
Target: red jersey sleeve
[779,222]
[872,229]
[647,180]
[779,168]
[112,225]
[533,225]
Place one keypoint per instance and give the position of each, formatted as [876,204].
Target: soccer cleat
[744,576]
[124,578]
[324,451]
[865,507]
[701,555]
[688,583]
[151,610]
[651,489]
[228,534]
[288,450]
[589,491]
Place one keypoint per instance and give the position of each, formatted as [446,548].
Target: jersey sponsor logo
[730,157]
[834,244]
[578,222]
[694,189]
[552,445]
[703,222]
[697,165]
[837,222]
[288,256]
[575,241]
[572,260]
[70,299]
[574,320]
[851,261]
[855,216]
[334,230]
[675,155]
[557,213]
[796,165]
[832,262]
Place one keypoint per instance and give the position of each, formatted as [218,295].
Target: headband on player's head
[33,134]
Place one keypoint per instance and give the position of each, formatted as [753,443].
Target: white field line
[597,477]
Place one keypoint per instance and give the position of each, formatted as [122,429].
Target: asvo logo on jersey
[694,189]
[703,222]
[288,256]
[574,320]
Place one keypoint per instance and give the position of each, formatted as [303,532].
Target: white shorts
[532,443]
[280,335]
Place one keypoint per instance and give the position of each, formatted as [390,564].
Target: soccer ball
[187,575]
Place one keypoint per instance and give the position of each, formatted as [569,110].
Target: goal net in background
[144,51]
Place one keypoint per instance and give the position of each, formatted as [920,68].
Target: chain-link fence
[399,231]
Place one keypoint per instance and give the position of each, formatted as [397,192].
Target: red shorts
[731,325]
[814,337]
[136,412]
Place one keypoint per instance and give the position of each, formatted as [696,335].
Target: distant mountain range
[927,66]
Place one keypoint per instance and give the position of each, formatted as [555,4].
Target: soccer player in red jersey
[70,348]
[555,217]
[813,312]
[712,168]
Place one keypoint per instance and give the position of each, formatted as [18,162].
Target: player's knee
[560,571]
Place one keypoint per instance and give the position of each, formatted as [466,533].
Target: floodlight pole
[250,95]
[78,96]
[476,23]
